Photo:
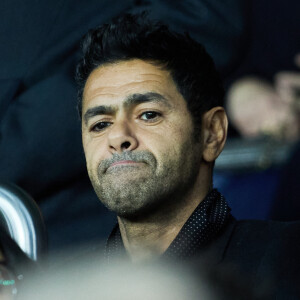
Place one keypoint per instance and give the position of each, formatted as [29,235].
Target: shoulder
[265,236]
[266,230]
[264,242]
[266,250]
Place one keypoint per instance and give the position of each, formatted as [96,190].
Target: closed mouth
[124,162]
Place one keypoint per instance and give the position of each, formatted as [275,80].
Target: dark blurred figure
[261,110]
[263,103]
[269,70]
[286,206]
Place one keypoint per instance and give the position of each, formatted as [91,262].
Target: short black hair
[137,37]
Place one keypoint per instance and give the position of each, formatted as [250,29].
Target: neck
[149,237]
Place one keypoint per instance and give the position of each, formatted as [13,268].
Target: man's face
[138,138]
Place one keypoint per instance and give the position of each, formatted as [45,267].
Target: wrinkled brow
[99,110]
[130,101]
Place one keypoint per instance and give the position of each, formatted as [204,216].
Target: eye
[100,126]
[150,116]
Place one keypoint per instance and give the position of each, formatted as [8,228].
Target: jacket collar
[206,233]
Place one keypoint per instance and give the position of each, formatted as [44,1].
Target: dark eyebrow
[99,110]
[131,100]
[135,99]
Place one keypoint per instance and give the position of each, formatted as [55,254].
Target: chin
[134,212]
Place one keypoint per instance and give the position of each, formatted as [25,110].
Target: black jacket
[266,254]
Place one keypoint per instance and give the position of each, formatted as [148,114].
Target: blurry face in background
[138,137]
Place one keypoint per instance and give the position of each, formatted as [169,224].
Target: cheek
[93,154]
[165,147]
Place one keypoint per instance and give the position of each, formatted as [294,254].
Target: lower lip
[124,162]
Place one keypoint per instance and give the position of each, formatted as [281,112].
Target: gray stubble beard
[150,188]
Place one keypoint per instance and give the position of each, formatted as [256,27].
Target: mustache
[138,156]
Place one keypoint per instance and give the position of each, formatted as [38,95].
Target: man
[152,126]
[39,46]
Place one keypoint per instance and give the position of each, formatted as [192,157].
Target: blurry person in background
[269,112]
[258,108]
[153,124]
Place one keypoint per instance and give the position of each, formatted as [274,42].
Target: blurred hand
[256,110]
[287,85]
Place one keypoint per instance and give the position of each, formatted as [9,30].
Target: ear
[214,124]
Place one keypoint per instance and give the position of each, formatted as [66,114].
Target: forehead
[128,77]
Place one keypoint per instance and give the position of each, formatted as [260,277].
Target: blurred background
[256,48]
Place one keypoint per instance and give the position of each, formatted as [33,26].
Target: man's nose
[121,138]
